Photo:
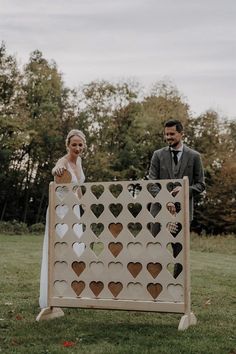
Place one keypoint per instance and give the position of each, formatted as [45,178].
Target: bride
[71,162]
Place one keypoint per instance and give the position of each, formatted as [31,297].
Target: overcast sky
[190,42]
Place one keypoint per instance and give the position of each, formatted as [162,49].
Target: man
[174,162]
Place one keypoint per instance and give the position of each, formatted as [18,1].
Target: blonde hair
[75,132]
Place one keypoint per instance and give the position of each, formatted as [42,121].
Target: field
[213,279]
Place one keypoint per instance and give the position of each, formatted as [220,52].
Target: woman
[71,162]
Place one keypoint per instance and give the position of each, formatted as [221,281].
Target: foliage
[123,127]
[215,140]
[13,227]
[37,229]
[19,228]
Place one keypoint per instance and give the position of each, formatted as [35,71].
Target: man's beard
[173,144]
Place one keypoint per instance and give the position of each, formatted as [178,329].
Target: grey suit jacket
[190,166]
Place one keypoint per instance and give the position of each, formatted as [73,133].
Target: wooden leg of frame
[49,313]
[186,321]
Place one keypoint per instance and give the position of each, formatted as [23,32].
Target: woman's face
[76,146]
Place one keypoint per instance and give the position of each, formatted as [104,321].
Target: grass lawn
[213,264]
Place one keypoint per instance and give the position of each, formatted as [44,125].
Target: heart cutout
[174,228]
[97,247]
[176,291]
[174,248]
[60,286]
[134,248]
[60,267]
[79,229]
[61,192]
[97,228]
[115,229]
[154,269]
[78,287]
[79,248]
[154,248]
[61,230]
[134,209]
[115,267]
[171,186]
[173,208]
[77,210]
[134,268]
[78,267]
[96,287]
[97,267]
[134,228]
[115,288]
[134,189]
[61,249]
[154,228]
[115,248]
[62,210]
[154,289]
[82,190]
[154,188]
[97,209]
[97,190]
[175,269]
[116,209]
[115,189]
[135,290]
[154,208]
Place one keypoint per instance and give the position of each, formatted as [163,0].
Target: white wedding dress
[43,300]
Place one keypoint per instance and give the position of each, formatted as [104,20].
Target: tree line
[123,126]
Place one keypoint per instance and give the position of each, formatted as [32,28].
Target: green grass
[213,267]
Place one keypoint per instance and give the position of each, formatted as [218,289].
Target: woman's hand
[59,170]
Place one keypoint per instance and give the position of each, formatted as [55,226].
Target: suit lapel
[167,157]
[184,161]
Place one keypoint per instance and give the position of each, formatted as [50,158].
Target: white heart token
[78,229]
[61,229]
[79,248]
[76,210]
[62,210]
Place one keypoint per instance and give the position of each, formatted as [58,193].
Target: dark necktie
[175,157]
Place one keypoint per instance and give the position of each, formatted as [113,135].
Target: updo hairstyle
[75,132]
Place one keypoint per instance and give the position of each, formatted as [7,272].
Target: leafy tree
[164,102]
[13,125]
[215,140]
[51,113]
[106,115]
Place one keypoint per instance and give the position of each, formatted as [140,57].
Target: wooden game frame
[109,250]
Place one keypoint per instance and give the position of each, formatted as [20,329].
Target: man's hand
[175,191]
[171,208]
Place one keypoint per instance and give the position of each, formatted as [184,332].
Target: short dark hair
[174,122]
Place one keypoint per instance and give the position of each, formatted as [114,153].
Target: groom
[176,161]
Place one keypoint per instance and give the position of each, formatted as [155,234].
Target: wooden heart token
[154,289]
[96,287]
[115,288]
[64,178]
[115,229]
[78,267]
[134,268]
[115,248]
[154,269]
[78,287]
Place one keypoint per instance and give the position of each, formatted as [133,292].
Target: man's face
[173,137]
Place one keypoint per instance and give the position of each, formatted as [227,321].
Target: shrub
[37,228]
[13,227]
